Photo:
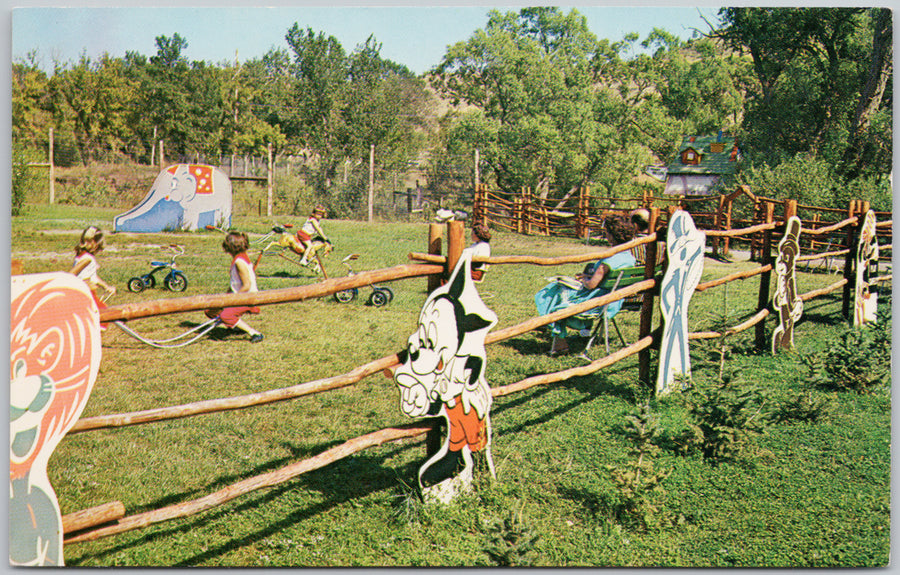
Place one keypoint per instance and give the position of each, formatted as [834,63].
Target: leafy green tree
[320,70]
[263,91]
[549,106]
[31,102]
[182,100]
[529,77]
[821,83]
[95,98]
[342,104]
[704,85]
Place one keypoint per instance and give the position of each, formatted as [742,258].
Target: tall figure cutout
[442,375]
[865,296]
[53,363]
[787,302]
[685,245]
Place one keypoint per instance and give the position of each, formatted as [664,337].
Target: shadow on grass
[284,275]
[368,470]
[537,345]
[590,387]
[596,505]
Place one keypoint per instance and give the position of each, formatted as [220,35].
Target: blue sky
[414,35]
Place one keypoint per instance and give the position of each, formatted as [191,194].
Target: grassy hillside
[806,482]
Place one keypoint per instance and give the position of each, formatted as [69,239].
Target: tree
[31,102]
[263,98]
[704,85]
[320,75]
[819,73]
[550,106]
[864,144]
[168,52]
[529,77]
[96,98]
[345,103]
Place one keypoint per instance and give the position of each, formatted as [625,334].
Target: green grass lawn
[809,492]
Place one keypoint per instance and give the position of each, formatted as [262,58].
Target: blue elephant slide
[184,197]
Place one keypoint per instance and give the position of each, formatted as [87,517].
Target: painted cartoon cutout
[442,375]
[685,245]
[183,197]
[865,297]
[54,359]
[787,302]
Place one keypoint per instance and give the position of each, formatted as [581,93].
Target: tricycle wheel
[379,297]
[176,282]
[346,296]
[136,285]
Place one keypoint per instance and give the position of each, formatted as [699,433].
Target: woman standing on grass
[243,280]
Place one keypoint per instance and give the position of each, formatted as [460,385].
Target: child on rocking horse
[311,230]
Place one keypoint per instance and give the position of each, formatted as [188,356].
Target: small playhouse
[700,162]
[183,197]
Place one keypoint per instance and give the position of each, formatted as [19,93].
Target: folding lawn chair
[623,277]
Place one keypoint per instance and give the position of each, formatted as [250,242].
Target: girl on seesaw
[243,280]
[85,266]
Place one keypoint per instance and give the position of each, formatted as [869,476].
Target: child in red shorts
[243,280]
[310,230]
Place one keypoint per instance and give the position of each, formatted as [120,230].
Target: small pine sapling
[511,541]
[638,480]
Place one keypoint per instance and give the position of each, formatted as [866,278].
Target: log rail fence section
[109,519]
[580,215]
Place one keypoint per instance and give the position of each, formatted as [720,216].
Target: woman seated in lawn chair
[561,294]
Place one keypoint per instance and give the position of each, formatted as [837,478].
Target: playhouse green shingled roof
[710,163]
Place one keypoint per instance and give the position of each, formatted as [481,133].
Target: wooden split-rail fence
[109,519]
[580,215]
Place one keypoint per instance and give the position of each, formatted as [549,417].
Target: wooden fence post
[790,209]
[581,218]
[456,241]
[517,213]
[726,248]
[153,149]
[647,302]
[269,182]
[435,231]
[477,169]
[765,278]
[52,171]
[815,225]
[758,211]
[526,210]
[371,182]
[720,221]
[857,208]
[478,211]
[848,261]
